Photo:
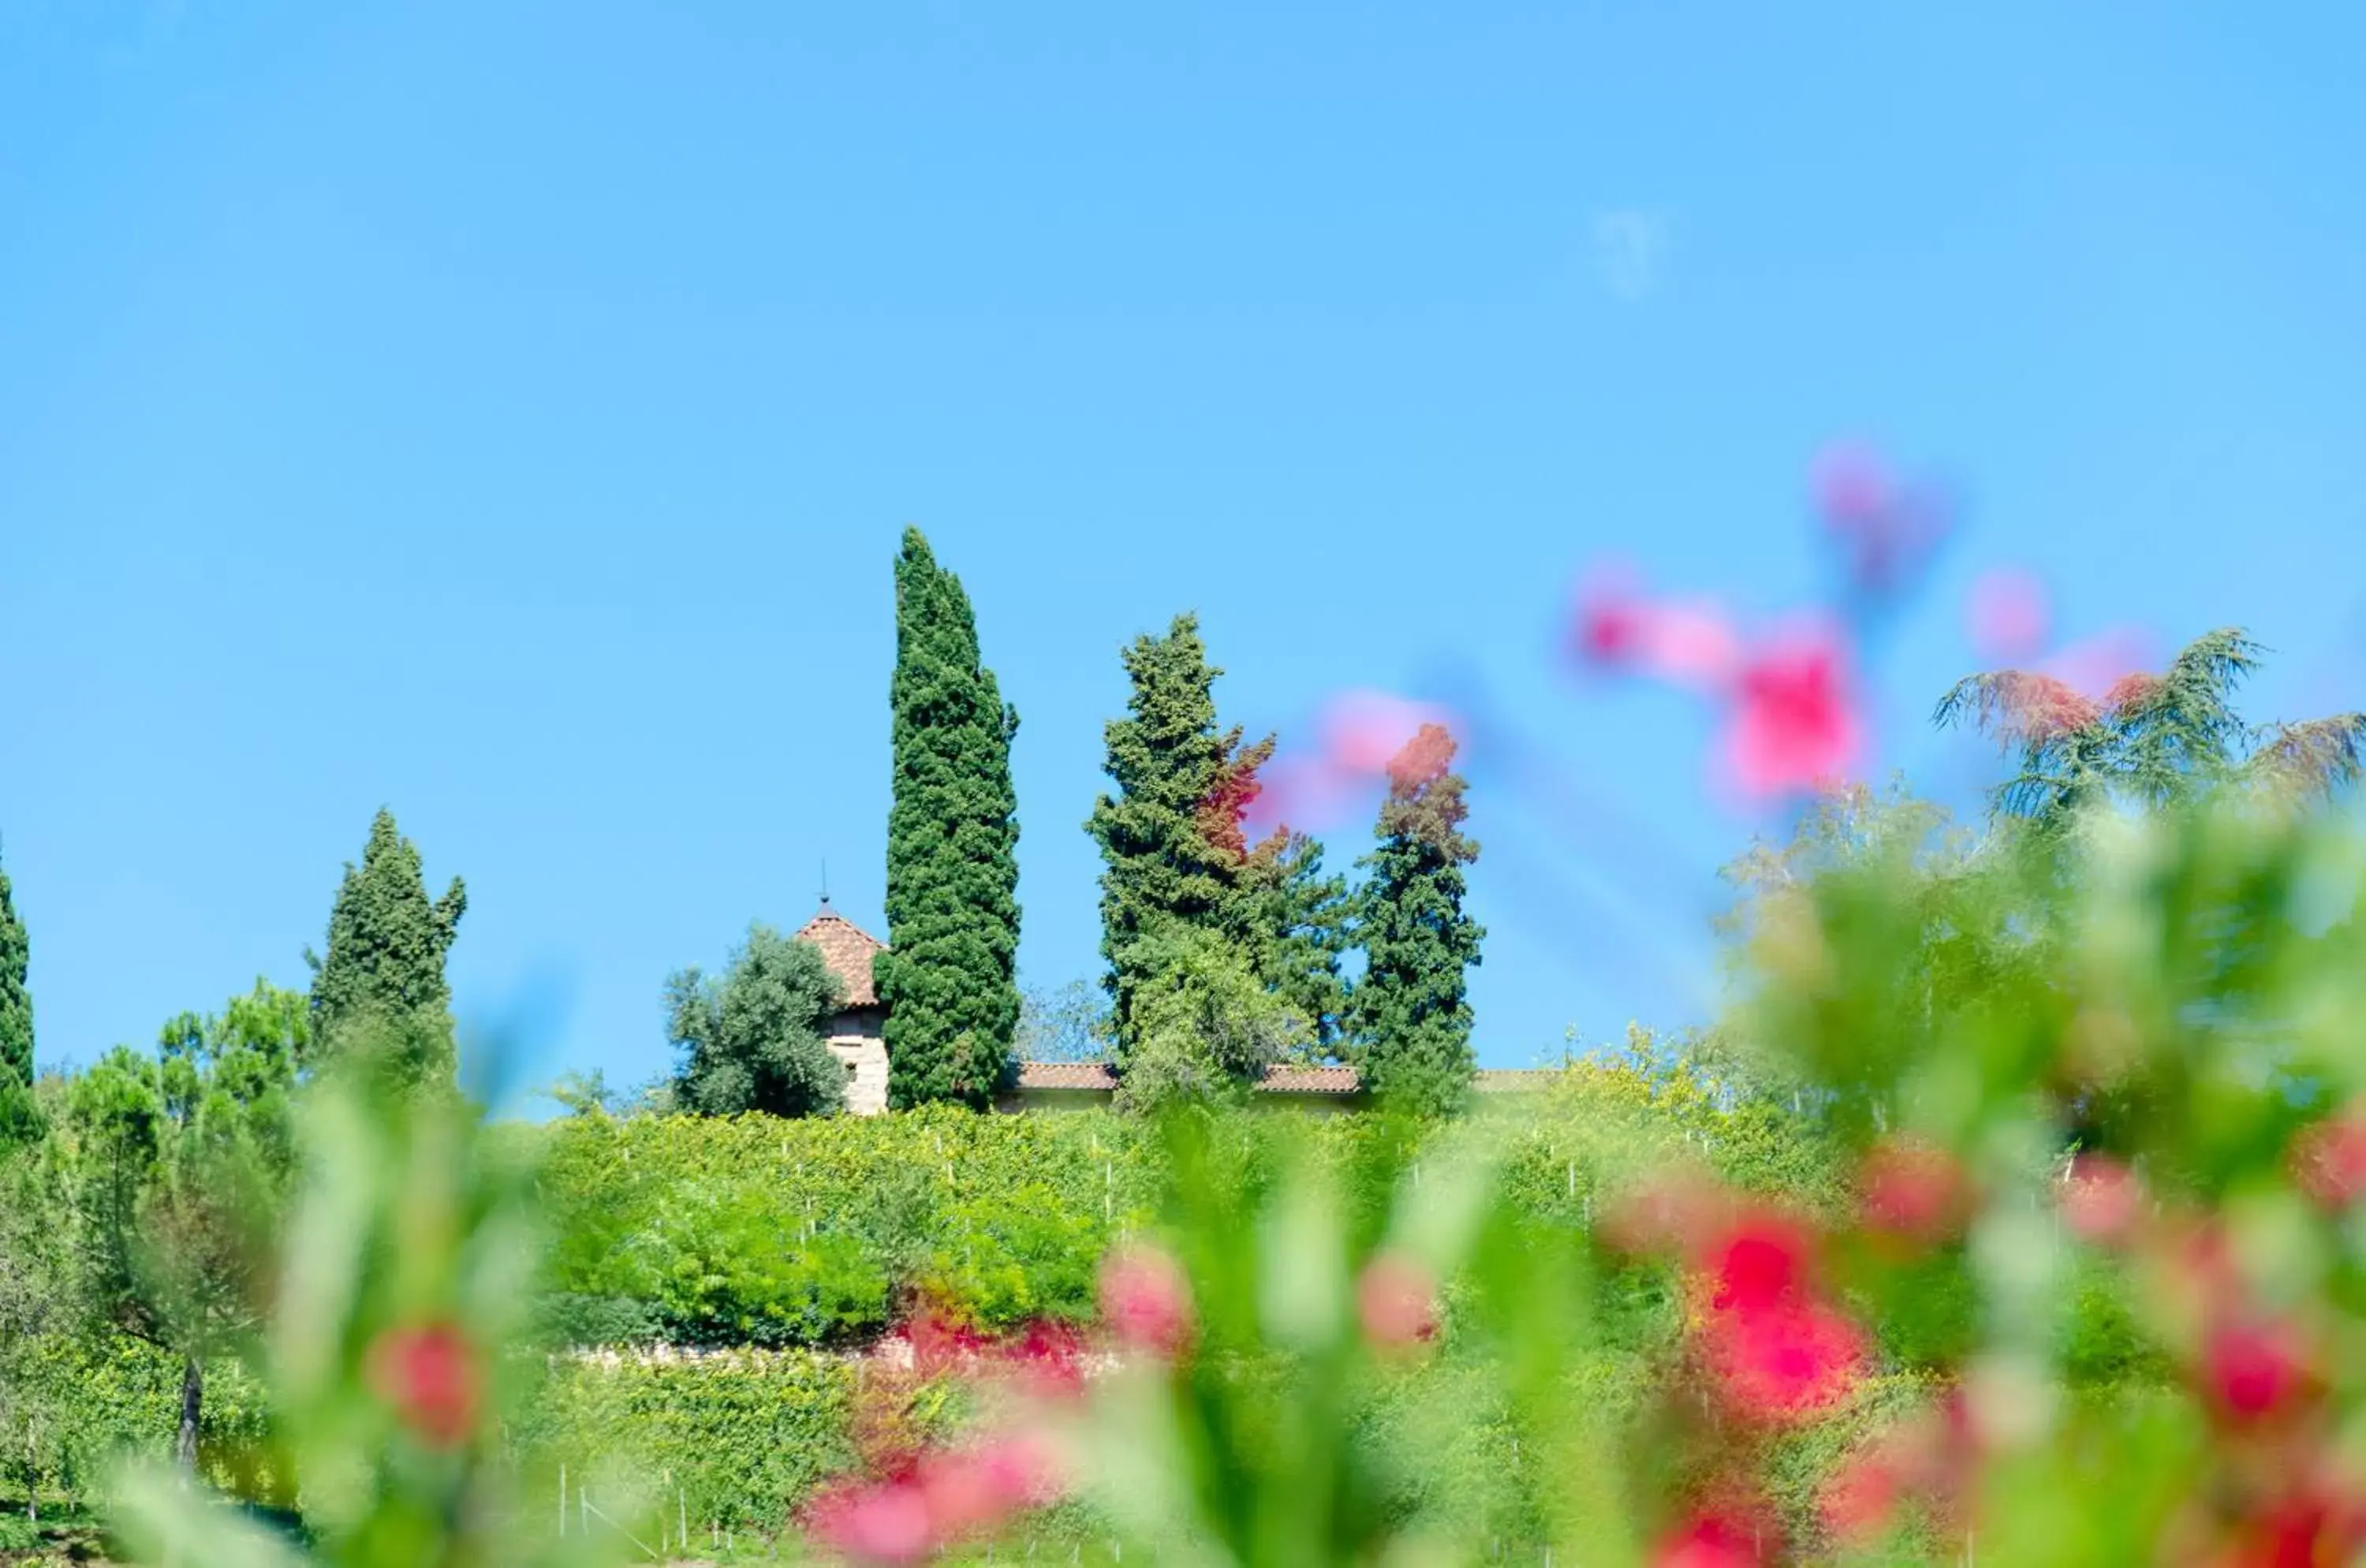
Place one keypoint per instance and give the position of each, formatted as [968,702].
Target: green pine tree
[949,977]
[383,976]
[1173,859]
[19,1120]
[1303,921]
[2151,740]
[1411,1018]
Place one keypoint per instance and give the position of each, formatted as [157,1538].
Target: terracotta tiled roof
[846,949]
[1090,1076]
[1066,1075]
[1101,1075]
[1309,1080]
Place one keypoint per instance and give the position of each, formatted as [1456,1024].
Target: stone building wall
[854,1039]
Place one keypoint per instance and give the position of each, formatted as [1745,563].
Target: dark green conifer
[19,1120]
[949,978]
[1303,920]
[1412,1019]
[1172,858]
[383,973]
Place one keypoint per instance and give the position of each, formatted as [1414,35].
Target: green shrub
[738,1438]
[757,1231]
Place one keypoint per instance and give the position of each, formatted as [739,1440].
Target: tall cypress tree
[17,1119]
[949,977]
[1173,859]
[1412,1021]
[1303,921]
[384,969]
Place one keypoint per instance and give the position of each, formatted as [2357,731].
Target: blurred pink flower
[2092,667]
[1714,1538]
[1360,731]
[1049,1359]
[1774,1350]
[429,1375]
[966,1490]
[1299,792]
[1397,1302]
[2254,1368]
[1608,628]
[887,1522]
[1783,1360]
[1690,643]
[1796,724]
[2101,1199]
[1851,484]
[2328,1157]
[1762,1263]
[944,1496]
[1617,626]
[1912,1191]
[2009,615]
[941,1344]
[1887,529]
[1145,1299]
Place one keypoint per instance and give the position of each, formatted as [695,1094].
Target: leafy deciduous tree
[751,1040]
[948,977]
[172,1168]
[1205,1023]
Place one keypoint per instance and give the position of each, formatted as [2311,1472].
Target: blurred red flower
[966,1490]
[1397,1302]
[2306,1529]
[1762,1263]
[1048,1359]
[1145,1299]
[2254,1368]
[887,1522]
[1912,1191]
[1795,724]
[1686,643]
[941,1344]
[1714,1538]
[944,1496]
[2328,1158]
[1610,623]
[429,1375]
[1786,1361]
[2101,1199]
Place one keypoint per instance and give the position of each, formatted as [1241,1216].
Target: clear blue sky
[507,414]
